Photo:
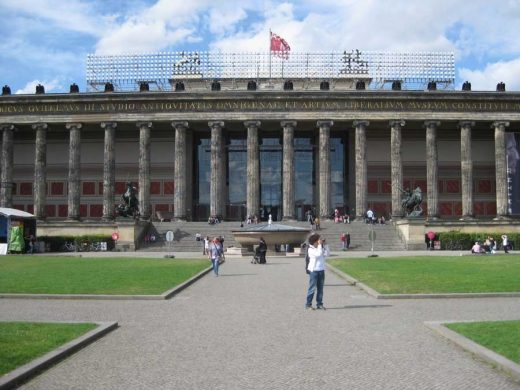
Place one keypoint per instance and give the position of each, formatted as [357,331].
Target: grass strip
[502,337]
[83,275]
[436,274]
[22,342]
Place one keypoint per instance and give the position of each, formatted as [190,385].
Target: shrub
[57,243]
[456,240]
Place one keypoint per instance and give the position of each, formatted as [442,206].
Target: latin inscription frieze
[275,105]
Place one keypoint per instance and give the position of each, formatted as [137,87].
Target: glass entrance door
[270,178]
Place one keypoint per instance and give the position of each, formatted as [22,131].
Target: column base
[502,218]
[108,219]
[288,219]
[180,219]
[433,218]
[467,218]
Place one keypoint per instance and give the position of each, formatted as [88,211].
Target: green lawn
[435,274]
[21,342]
[502,337]
[82,275]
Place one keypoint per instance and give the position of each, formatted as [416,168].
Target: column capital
[7,126]
[499,124]
[144,124]
[325,123]
[360,123]
[428,124]
[37,126]
[109,125]
[466,124]
[180,125]
[74,125]
[397,123]
[255,124]
[216,124]
[291,124]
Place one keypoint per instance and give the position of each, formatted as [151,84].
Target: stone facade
[67,156]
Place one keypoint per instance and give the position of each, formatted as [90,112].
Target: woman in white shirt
[317,252]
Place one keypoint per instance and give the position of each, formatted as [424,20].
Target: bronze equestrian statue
[129,207]
[411,202]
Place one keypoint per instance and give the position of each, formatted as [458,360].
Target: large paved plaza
[247,329]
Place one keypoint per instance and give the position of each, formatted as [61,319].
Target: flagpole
[270,43]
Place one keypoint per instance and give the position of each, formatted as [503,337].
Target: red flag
[279,46]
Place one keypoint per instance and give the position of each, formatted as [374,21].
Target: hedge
[57,243]
[456,240]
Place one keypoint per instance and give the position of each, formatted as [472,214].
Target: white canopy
[8,212]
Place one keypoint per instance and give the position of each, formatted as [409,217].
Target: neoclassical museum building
[237,146]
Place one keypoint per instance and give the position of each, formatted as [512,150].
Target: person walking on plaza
[505,243]
[317,252]
[215,254]
[205,249]
[262,250]
[343,239]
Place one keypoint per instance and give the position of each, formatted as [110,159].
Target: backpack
[307,259]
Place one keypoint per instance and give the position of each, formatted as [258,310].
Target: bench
[164,216]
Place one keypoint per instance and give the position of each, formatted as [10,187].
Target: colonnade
[217,201]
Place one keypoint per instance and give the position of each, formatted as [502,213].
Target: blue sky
[47,41]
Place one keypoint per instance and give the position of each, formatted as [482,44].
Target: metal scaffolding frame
[159,70]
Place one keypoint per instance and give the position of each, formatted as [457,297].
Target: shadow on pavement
[358,307]
[237,274]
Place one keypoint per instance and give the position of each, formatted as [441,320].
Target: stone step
[184,235]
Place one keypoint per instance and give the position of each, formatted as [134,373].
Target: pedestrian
[505,243]
[370,216]
[343,239]
[205,249]
[317,252]
[348,240]
[262,249]
[317,223]
[215,254]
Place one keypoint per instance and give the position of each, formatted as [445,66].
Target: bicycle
[70,246]
[95,246]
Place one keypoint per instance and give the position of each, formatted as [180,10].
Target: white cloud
[71,15]
[30,87]
[487,78]
[164,24]
[222,21]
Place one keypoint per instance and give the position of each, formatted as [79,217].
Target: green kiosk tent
[15,227]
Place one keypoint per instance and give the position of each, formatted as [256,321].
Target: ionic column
[6,186]
[253,168]
[40,170]
[432,172]
[466,169]
[501,169]
[288,170]
[180,179]
[109,170]
[74,170]
[217,170]
[361,168]
[144,169]
[396,165]
[324,167]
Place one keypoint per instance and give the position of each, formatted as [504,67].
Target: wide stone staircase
[184,234]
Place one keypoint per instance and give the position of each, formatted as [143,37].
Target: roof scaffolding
[161,70]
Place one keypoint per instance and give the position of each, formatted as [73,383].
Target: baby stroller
[256,256]
[259,256]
